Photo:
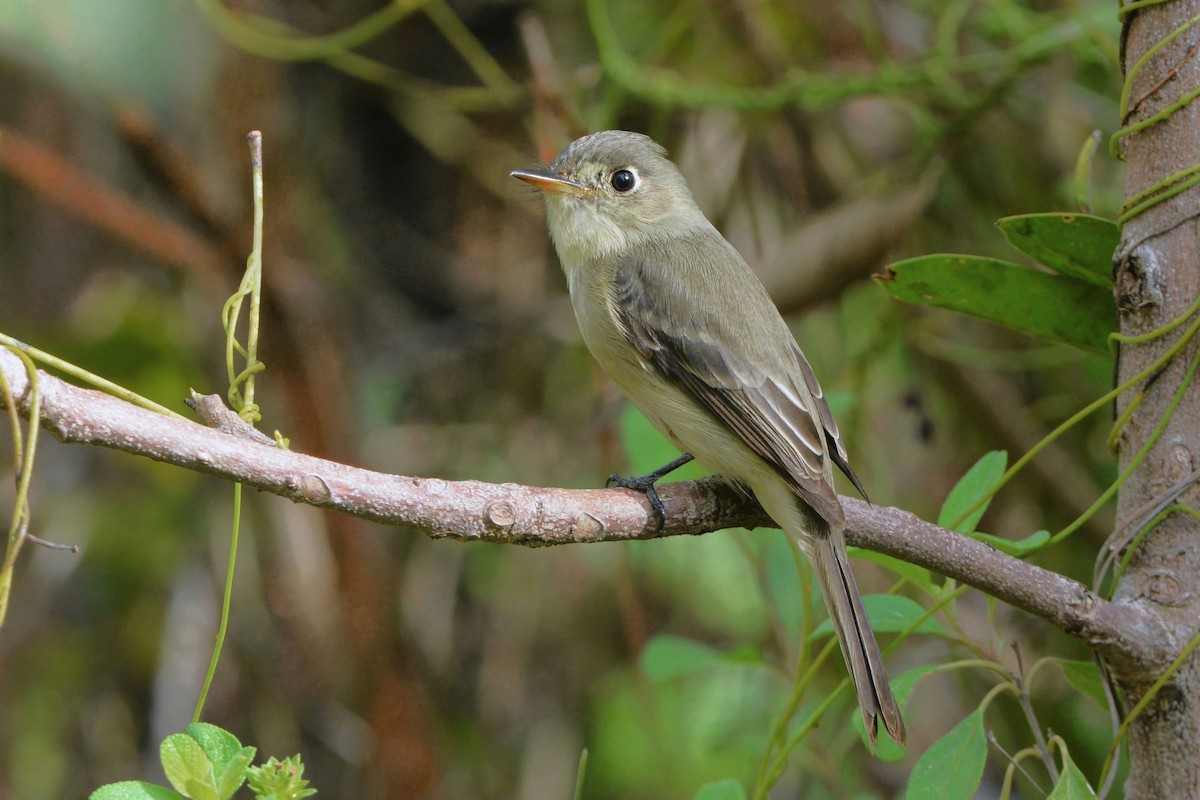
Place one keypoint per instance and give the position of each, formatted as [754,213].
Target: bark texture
[1157,277]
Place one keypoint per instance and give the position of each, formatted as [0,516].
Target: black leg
[645,485]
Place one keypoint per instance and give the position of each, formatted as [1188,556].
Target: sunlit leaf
[198,789]
[184,760]
[217,743]
[233,775]
[134,790]
[1052,307]
[1076,245]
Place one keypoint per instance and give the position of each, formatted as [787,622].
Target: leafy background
[417,323]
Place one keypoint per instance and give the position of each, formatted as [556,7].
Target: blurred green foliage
[416,322]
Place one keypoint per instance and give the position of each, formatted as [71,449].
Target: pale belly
[671,410]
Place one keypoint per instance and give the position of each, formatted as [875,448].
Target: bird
[680,322]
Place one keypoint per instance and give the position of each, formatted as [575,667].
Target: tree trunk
[1157,277]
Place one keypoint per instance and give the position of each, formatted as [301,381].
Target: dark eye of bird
[623,180]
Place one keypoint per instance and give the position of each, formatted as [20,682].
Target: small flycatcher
[678,319]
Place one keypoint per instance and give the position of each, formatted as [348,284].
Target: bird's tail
[859,647]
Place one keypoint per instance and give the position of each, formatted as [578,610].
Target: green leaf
[1072,785]
[184,760]
[902,688]
[728,789]
[1022,547]
[978,480]
[1050,307]
[886,749]
[904,684]
[666,657]
[841,401]
[1076,245]
[199,789]
[889,613]
[952,767]
[918,576]
[1084,677]
[647,449]
[231,778]
[134,790]
[580,773]
[218,744]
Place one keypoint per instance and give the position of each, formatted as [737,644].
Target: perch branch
[1126,632]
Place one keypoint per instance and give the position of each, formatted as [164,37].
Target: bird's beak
[549,181]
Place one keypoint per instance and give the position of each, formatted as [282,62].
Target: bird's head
[609,192]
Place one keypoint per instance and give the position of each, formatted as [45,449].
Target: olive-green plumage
[681,323]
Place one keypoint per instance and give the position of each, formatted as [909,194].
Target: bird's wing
[770,406]
[835,447]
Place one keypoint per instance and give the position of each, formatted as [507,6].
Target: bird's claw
[645,485]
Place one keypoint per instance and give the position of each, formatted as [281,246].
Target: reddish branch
[88,198]
[512,514]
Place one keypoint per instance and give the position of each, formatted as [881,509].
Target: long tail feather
[854,633]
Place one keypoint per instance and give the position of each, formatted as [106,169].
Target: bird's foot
[645,485]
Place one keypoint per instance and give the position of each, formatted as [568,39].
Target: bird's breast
[671,409]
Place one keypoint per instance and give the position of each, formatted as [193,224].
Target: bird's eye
[623,180]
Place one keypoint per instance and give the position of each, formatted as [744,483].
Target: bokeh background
[417,322]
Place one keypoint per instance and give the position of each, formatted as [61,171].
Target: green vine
[1127,88]
[241,399]
[272,39]
[103,384]
[23,453]
[1165,189]
[1176,182]
[1131,548]
[1128,8]
[266,38]
[1136,711]
[810,90]
[1102,401]
[1137,459]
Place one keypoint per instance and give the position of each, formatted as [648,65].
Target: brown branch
[842,244]
[101,206]
[555,119]
[512,514]
[183,180]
